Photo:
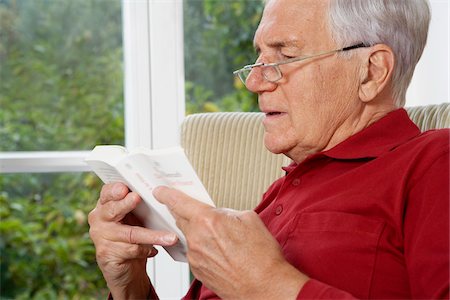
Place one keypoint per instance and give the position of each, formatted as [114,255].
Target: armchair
[228,153]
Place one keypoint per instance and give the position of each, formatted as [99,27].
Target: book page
[142,170]
[106,172]
[170,167]
[103,160]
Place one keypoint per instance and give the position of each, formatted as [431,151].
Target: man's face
[306,108]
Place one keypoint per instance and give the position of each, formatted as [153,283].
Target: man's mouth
[273,113]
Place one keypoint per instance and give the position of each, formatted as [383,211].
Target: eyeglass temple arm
[248,67]
[361,45]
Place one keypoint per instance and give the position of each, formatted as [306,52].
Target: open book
[142,170]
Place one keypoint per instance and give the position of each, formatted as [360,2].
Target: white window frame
[154,106]
[154,110]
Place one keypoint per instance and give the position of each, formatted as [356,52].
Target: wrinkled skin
[316,105]
[122,244]
[232,252]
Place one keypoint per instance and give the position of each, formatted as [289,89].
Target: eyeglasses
[271,71]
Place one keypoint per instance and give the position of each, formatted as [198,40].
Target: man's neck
[358,121]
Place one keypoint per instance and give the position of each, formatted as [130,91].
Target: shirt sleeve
[426,237]
[151,295]
[426,231]
[314,289]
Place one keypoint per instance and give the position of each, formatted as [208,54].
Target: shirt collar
[380,137]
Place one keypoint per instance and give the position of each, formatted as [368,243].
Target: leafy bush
[60,81]
[61,74]
[45,249]
[218,40]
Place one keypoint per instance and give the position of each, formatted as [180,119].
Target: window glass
[61,88]
[218,39]
[46,252]
[61,78]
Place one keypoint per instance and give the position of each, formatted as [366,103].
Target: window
[218,39]
[52,113]
[45,248]
[149,116]
[61,80]
[61,75]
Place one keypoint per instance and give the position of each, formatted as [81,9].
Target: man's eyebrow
[280,44]
[283,44]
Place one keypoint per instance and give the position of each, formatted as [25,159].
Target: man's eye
[285,56]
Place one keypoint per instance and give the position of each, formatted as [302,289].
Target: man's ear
[377,72]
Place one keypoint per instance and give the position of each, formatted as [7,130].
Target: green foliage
[45,249]
[61,80]
[218,39]
[61,74]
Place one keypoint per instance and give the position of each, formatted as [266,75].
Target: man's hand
[231,252]
[122,245]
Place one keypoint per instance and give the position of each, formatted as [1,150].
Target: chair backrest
[228,153]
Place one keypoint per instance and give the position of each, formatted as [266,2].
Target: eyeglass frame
[276,65]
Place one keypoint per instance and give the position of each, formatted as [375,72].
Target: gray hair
[400,24]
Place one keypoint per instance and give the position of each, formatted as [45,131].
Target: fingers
[161,238]
[101,228]
[139,235]
[115,211]
[108,221]
[180,205]
[113,192]
[124,251]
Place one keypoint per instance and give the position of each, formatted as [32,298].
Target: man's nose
[256,82]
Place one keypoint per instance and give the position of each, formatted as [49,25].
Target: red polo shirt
[368,218]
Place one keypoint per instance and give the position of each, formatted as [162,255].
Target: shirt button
[279,209]
[296,182]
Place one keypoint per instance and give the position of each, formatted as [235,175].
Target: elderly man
[363,209]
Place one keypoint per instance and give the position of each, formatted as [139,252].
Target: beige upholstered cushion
[430,116]
[227,151]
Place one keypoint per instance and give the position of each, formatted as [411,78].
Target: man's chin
[273,145]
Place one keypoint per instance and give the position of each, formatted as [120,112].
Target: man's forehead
[290,23]
[309,9]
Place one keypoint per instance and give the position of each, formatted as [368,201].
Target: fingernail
[169,238]
[156,190]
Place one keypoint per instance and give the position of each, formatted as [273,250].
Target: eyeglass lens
[270,73]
